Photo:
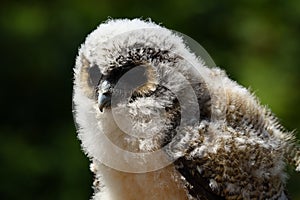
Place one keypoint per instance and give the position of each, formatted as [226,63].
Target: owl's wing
[198,187]
[225,163]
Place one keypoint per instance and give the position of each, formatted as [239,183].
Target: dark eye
[135,77]
[94,76]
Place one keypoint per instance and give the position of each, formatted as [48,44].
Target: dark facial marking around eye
[135,77]
[94,76]
[116,73]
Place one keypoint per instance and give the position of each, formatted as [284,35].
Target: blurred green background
[256,42]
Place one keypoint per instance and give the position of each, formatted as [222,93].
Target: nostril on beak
[104,100]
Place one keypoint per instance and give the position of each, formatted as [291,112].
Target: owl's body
[227,147]
[160,184]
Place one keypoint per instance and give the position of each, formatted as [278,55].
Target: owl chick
[158,123]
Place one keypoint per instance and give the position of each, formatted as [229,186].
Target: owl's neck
[129,141]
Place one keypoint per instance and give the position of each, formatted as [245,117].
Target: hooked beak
[104,96]
[104,100]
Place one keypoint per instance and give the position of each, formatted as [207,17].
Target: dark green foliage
[256,42]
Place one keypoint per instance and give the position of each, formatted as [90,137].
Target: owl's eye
[133,78]
[94,76]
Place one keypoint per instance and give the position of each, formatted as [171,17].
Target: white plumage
[159,124]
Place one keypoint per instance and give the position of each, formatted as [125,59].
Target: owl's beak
[104,96]
[104,100]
